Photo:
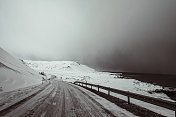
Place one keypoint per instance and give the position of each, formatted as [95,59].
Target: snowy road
[59,99]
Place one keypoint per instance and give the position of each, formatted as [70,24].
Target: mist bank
[118,35]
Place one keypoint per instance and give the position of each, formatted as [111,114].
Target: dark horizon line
[139,73]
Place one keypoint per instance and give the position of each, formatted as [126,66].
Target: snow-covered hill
[15,74]
[58,66]
[72,71]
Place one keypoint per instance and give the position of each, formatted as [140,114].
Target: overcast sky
[128,35]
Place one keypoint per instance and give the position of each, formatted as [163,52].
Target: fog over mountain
[118,35]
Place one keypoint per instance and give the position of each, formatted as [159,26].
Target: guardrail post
[91,86]
[98,88]
[175,109]
[86,84]
[82,84]
[108,92]
[128,100]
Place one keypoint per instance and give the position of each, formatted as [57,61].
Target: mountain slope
[15,74]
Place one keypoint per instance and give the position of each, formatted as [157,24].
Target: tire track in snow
[61,100]
[20,102]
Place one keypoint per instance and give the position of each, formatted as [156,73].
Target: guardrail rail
[155,101]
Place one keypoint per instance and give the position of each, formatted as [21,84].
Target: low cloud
[137,36]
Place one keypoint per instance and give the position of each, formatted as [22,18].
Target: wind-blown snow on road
[60,99]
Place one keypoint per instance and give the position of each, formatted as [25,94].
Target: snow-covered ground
[117,111]
[15,74]
[72,71]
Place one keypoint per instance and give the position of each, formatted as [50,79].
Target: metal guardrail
[156,101]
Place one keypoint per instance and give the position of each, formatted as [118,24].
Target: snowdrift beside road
[15,74]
